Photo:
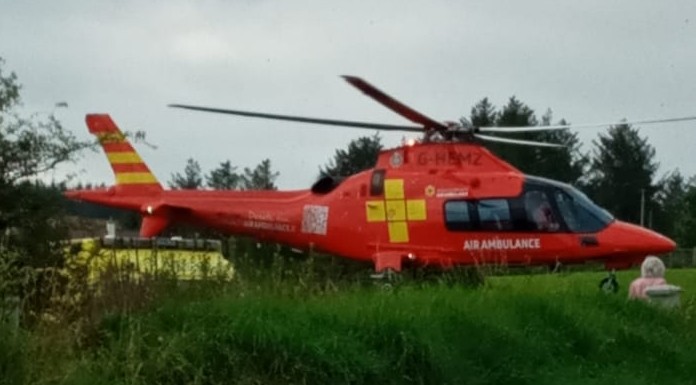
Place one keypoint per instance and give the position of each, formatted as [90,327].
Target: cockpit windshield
[579,212]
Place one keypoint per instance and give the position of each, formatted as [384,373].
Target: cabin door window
[377,183]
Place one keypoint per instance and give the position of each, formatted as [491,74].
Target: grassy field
[541,329]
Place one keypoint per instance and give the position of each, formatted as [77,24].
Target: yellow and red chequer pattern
[396,210]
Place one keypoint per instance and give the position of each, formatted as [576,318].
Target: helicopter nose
[628,238]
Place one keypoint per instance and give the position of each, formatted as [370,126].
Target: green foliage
[34,219]
[31,212]
[566,164]
[685,226]
[14,276]
[191,179]
[668,212]
[9,91]
[224,177]
[516,113]
[483,114]
[360,155]
[296,329]
[623,168]
[13,356]
[260,178]
[30,146]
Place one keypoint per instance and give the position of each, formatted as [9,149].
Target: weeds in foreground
[292,318]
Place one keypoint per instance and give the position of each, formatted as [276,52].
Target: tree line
[225,177]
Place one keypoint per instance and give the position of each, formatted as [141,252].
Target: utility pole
[642,205]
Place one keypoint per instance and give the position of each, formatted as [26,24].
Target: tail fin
[132,174]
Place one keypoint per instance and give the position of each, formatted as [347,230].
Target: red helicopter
[444,200]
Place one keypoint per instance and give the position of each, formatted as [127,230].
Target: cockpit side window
[579,213]
[567,209]
[540,212]
[575,212]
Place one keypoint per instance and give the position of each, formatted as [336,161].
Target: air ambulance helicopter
[443,201]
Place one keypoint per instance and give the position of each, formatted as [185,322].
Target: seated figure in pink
[652,272]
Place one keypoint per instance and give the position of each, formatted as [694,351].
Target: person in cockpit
[540,211]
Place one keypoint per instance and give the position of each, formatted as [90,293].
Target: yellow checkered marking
[123,157]
[415,209]
[135,178]
[394,189]
[396,210]
[375,211]
[398,232]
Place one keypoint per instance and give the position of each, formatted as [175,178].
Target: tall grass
[296,321]
[13,359]
[440,334]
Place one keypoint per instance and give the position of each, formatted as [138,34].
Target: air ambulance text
[502,244]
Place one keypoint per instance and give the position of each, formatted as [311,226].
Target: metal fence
[680,258]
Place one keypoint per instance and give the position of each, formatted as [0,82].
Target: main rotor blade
[393,104]
[569,126]
[517,141]
[347,123]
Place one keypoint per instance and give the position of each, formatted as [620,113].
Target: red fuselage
[440,204]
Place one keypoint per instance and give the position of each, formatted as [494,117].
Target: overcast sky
[588,61]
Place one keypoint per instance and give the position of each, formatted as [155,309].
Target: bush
[13,360]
